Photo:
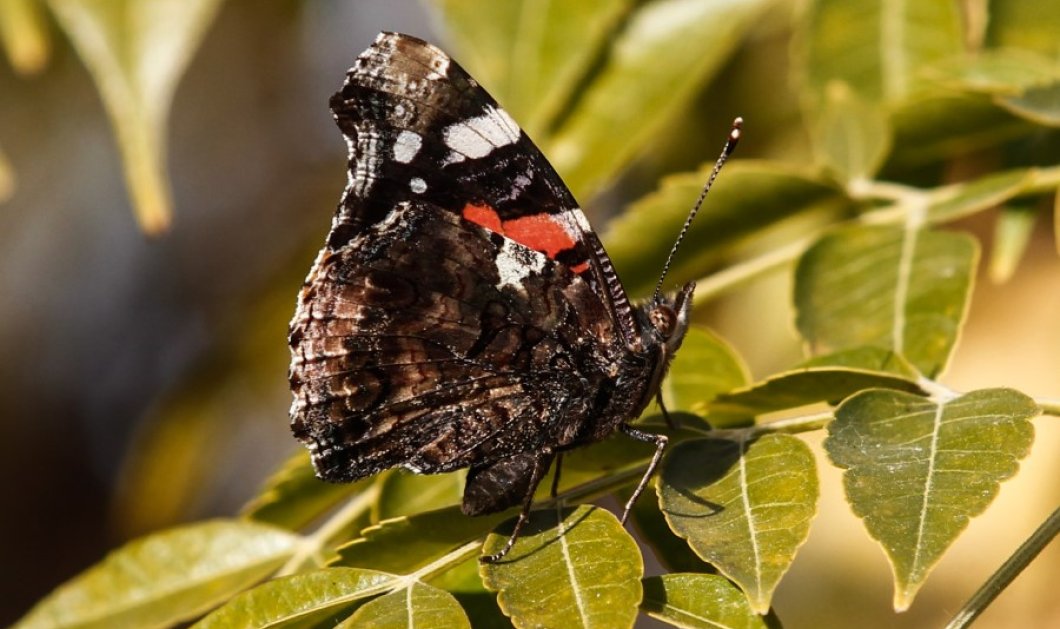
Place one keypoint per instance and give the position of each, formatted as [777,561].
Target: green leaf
[404,493]
[699,601]
[1026,24]
[1012,234]
[24,35]
[918,470]
[904,290]
[851,135]
[306,600]
[530,54]
[407,543]
[867,358]
[293,496]
[962,199]
[877,46]
[1039,104]
[136,51]
[418,605]
[704,367]
[808,385]
[464,583]
[743,507]
[653,530]
[167,577]
[668,50]
[1000,72]
[748,197]
[569,568]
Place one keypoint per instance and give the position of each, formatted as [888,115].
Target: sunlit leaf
[705,367]
[967,198]
[303,600]
[24,35]
[407,543]
[878,47]
[851,135]
[405,493]
[699,601]
[918,470]
[293,496]
[745,508]
[136,51]
[570,568]
[166,577]
[417,606]
[530,53]
[808,385]
[1012,234]
[900,289]
[694,37]
[748,196]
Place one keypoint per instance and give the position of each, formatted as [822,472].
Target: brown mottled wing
[429,342]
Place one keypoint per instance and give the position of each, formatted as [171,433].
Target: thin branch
[1007,572]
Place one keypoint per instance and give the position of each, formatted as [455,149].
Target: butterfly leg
[540,467]
[660,442]
[666,415]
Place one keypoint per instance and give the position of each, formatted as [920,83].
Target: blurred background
[144,376]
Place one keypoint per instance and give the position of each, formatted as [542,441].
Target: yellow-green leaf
[917,470]
[570,568]
[699,601]
[704,367]
[967,198]
[404,493]
[7,179]
[666,52]
[24,35]
[530,54]
[904,290]
[293,496]
[166,577]
[807,385]
[743,507]
[405,544]
[1039,104]
[136,51]
[851,135]
[312,599]
[417,606]
[1012,234]
[748,196]
[878,47]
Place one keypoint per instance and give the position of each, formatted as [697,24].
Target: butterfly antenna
[730,145]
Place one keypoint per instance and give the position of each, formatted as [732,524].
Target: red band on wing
[540,232]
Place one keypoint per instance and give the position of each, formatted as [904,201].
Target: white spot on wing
[515,263]
[476,137]
[406,146]
[417,185]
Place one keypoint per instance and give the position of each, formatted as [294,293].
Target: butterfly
[463,313]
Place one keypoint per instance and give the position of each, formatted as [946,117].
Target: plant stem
[1049,407]
[313,544]
[1007,572]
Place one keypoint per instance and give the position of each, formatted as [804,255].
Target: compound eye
[663,319]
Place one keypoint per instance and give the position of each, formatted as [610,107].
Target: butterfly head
[668,319]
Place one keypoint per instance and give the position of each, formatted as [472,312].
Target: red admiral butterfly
[462,312]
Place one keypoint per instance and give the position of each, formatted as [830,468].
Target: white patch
[406,146]
[477,137]
[515,263]
[452,158]
[417,185]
